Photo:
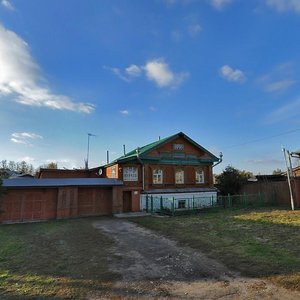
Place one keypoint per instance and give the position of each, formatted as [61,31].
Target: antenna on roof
[124,150]
[107,157]
[86,162]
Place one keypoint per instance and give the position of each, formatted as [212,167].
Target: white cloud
[194,30]
[133,70]
[286,112]
[7,4]
[124,112]
[118,73]
[27,159]
[183,2]
[158,71]
[219,4]
[279,85]
[24,138]
[232,75]
[20,77]
[278,79]
[176,35]
[284,5]
[269,161]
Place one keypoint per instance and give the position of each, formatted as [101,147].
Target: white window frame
[130,174]
[179,176]
[157,176]
[199,174]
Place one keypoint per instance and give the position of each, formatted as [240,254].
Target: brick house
[173,167]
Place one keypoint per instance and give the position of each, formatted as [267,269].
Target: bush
[231,180]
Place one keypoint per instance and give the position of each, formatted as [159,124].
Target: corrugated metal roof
[58,182]
[183,190]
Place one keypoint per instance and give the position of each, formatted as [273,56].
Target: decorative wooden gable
[175,149]
[179,149]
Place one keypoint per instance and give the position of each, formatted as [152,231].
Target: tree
[7,168]
[52,165]
[1,188]
[1,194]
[277,172]
[231,180]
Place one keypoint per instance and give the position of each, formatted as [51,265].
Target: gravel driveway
[153,266]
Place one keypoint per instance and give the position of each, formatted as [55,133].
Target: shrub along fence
[178,206]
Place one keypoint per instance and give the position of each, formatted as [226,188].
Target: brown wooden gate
[29,205]
[67,202]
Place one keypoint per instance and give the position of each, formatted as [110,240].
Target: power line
[263,139]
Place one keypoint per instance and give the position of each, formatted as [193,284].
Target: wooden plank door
[127,201]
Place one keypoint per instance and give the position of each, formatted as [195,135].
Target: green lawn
[53,260]
[257,243]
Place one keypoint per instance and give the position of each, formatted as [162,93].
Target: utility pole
[88,151]
[289,179]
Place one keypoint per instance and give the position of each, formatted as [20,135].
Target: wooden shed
[28,200]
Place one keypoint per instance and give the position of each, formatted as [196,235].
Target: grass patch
[255,242]
[54,260]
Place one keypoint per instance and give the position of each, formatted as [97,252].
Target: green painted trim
[180,162]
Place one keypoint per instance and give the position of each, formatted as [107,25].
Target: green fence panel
[151,204]
[147,203]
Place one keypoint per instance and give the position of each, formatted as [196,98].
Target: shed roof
[60,182]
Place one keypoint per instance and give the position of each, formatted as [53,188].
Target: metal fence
[176,206]
[247,200]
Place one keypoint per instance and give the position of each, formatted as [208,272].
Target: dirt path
[153,266]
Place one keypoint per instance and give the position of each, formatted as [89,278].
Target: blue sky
[225,72]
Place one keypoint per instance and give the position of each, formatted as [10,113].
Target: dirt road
[153,266]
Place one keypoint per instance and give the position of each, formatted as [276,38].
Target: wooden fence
[247,200]
[277,191]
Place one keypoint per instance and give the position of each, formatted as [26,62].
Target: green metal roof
[142,150]
[132,155]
